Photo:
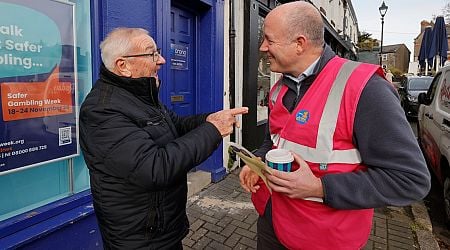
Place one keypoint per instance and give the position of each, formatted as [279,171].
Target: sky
[402,19]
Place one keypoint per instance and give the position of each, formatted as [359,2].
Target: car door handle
[429,115]
[445,128]
[445,125]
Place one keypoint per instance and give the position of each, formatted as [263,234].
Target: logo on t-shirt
[302,116]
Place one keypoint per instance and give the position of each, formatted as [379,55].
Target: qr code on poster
[65,136]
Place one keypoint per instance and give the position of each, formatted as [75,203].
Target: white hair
[118,43]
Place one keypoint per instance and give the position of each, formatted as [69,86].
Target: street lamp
[383,9]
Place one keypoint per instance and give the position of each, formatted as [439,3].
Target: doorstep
[197,181]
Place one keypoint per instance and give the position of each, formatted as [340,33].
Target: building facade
[395,57]
[52,47]
[49,50]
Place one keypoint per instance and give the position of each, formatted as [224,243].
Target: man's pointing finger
[238,111]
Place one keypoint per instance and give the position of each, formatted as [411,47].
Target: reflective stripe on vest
[324,153]
[275,93]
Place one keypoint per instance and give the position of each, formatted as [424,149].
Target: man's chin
[274,68]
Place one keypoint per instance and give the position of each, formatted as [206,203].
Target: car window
[404,80]
[419,83]
[432,89]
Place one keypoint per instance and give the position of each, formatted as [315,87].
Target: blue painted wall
[70,223]
[155,17]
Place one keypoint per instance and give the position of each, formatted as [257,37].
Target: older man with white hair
[139,152]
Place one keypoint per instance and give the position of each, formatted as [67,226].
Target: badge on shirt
[302,116]
[323,167]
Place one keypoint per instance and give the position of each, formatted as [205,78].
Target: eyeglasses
[154,54]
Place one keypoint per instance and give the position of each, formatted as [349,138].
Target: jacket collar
[325,57]
[143,88]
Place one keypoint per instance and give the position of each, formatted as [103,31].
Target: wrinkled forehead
[144,43]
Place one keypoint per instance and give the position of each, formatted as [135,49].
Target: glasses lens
[156,54]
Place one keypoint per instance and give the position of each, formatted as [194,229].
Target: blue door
[182,61]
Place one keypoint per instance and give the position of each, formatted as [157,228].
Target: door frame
[209,87]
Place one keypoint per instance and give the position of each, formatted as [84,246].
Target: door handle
[445,128]
[177,98]
[429,115]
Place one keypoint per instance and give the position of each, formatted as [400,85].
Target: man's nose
[263,46]
[161,60]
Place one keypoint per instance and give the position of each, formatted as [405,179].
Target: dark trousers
[267,240]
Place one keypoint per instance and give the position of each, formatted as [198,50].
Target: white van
[433,128]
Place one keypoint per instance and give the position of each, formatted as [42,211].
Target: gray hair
[118,43]
[304,19]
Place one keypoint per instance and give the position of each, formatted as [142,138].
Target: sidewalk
[222,217]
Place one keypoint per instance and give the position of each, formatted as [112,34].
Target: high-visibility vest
[320,130]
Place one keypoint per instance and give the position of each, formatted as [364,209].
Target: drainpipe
[344,24]
[344,31]
[232,42]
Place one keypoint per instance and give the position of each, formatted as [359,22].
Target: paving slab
[223,217]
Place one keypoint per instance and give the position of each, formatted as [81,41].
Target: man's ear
[122,67]
[301,44]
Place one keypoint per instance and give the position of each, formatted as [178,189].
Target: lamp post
[383,9]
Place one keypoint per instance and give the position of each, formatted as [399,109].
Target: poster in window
[38,83]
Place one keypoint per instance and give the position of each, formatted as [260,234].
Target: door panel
[182,61]
[433,119]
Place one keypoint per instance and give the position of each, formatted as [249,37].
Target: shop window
[263,85]
[264,2]
[35,184]
[266,79]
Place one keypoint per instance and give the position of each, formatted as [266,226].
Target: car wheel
[447,200]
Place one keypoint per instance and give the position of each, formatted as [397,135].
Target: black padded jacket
[138,153]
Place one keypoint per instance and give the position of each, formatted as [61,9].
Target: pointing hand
[225,119]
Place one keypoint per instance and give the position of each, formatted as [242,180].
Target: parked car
[410,88]
[433,129]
